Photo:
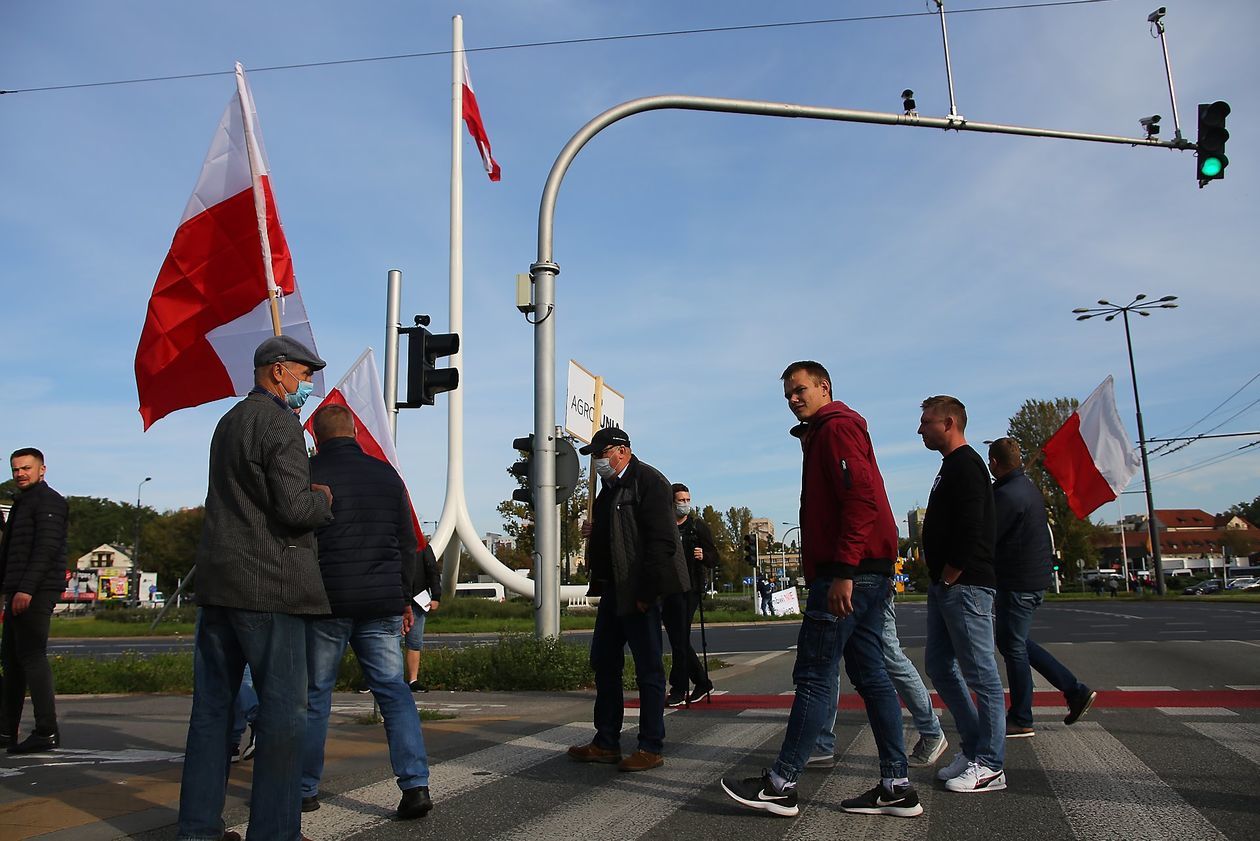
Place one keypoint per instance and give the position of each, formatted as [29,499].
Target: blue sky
[699,253]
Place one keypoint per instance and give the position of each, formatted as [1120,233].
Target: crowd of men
[302,556]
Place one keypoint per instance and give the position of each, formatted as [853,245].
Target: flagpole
[254,154]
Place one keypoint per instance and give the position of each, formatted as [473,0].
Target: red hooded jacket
[847,526]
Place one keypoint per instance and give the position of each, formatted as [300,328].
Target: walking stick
[704,650]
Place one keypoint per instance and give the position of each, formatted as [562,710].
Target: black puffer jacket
[1024,557]
[367,554]
[33,549]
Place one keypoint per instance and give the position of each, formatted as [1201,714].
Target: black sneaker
[415,803]
[310,804]
[676,699]
[7,740]
[417,686]
[760,793]
[1080,705]
[900,801]
[702,689]
[37,743]
[248,753]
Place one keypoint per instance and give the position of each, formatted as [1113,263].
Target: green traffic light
[1210,167]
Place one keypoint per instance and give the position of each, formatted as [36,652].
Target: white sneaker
[977,778]
[955,767]
[821,760]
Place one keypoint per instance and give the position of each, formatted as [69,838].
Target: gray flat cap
[285,349]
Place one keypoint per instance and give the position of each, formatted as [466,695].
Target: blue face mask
[298,399]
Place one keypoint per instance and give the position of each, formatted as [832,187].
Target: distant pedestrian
[367,557]
[429,582]
[1113,585]
[848,545]
[1024,561]
[32,578]
[634,557]
[766,590]
[679,609]
[257,581]
[958,536]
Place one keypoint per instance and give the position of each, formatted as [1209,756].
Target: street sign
[587,395]
[901,579]
[1080,564]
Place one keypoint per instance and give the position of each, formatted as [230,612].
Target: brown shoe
[594,753]
[641,760]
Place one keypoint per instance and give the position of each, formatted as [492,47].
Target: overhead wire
[557,43]
[1188,427]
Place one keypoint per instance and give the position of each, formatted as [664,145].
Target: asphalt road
[1104,619]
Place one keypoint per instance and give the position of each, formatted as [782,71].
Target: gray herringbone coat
[257,549]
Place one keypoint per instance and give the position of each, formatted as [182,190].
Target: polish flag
[1091,456]
[361,391]
[210,306]
[476,127]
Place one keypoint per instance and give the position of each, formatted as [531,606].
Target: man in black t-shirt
[958,537]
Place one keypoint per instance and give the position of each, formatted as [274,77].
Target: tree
[168,544]
[1032,426]
[727,545]
[518,523]
[1249,511]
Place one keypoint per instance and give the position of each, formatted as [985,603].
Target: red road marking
[1107,699]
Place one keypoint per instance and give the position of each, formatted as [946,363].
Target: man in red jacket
[848,544]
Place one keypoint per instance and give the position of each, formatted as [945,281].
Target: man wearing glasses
[634,556]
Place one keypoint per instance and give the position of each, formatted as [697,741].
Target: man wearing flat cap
[634,556]
[257,580]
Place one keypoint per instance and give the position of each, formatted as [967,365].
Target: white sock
[891,783]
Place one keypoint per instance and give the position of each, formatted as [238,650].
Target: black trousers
[24,657]
[677,611]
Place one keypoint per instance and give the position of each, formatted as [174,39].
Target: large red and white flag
[361,391]
[1091,456]
[210,306]
[477,127]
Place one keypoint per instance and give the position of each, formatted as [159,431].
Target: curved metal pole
[544,272]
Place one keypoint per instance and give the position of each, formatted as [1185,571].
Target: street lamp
[135,549]
[1141,306]
[783,543]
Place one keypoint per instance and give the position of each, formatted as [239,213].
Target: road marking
[631,805]
[1243,687]
[1242,739]
[1092,612]
[1146,688]
[1195,711]
[1105,791]
[342,814]
[765,658]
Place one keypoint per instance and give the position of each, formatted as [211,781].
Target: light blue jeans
[960,657]
[375,643]
[274,646]
[905,679]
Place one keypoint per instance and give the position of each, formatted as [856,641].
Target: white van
[478,590]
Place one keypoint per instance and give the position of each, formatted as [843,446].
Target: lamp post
[783,543]
[1142,307]
[135,549]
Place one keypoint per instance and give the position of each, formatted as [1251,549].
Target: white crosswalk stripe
[1106,792]
[1242,739]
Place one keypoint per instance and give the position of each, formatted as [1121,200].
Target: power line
[557,43]
[1190,426]
[1213,429]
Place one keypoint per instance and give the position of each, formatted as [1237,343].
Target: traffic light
[523,470]
[750,549]
[1210,154]
[424,379]
[567,468]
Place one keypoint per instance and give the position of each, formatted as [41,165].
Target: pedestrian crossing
[1120,774]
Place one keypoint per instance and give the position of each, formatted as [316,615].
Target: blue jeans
[414,639]
[245,710]
[960,648]
[274,646]
[375,643]
[823,638]
[1013,611]
[642,632]
[905,679]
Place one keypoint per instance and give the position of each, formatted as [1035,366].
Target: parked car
[1253,587]
[1241,583]
[1204,588]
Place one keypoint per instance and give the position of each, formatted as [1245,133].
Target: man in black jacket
[367,557]
[634,556]
[679,609]
[1025,558]
[33,575]
[958,533]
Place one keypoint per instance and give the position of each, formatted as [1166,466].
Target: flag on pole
[1091,456]
[361,391]
[210,306]
[476,126]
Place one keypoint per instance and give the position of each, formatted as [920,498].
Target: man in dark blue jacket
[367,558]
[1023,559]
[33,575]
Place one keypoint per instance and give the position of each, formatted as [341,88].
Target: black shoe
[37,743]
[7,740]
[415,803]
[250,746]
[417,686]
[310,804]
[702,689]
[760,793]
[676,699]
[236,754]
[1079,706]
[900,801]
